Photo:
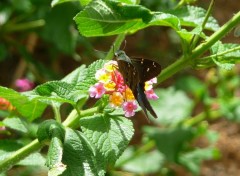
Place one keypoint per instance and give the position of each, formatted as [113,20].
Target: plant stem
[24,26]
[19,155]
[117,43]
[214,114]
[197,37]
[73,118]
[222,53]
[198,51]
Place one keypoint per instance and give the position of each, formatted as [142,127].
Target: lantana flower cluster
[111,82]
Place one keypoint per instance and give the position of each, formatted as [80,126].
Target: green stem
[19,155]
[24,26]
[117,43]
[209,11]
[222,53]
[198,51]
[73,118]
[214,114]
[57,113]
[35,145]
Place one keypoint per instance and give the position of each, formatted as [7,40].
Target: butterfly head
[119,53]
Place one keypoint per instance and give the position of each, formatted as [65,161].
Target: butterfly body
[135,73]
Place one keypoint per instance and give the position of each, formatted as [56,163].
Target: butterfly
[135,73]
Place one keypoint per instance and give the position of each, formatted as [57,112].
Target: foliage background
[51,50]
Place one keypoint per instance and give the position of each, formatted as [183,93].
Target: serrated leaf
[88,79]
[30,109]
[104,18]
[71,89]
[172,106]
[226,61]
[16,123]
[194,16]
[110,135]
[173,140]
[76,76]
[79,157]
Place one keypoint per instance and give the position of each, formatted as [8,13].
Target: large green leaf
[103,18]
[170,142]
[145,163]
[79,156]
[59,28]
[110,135]
[30,109]
[172,106]
[194,16]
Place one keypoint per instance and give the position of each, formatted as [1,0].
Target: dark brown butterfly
[135,73]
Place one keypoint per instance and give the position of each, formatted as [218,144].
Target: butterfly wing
[147,69]
[129,73]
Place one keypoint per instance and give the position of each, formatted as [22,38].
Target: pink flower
[24,84]
[118,79]
[151,94]
[97,90]
[129,108]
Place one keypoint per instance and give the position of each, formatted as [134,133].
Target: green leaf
[228,60]
[34,159]
[76,76]
[192,85]
[194,16]
[88,76]
[172,106]
[71,89]
[79,156]
[59,28]
[54,157]
[145,163]
[192,160]
[170,142]
[30,109]
[82,2]
[57,91]
[187,37]
[104,18]
[110,135]
[17,124]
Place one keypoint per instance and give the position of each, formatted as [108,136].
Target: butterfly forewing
[147,69]
[129,73]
